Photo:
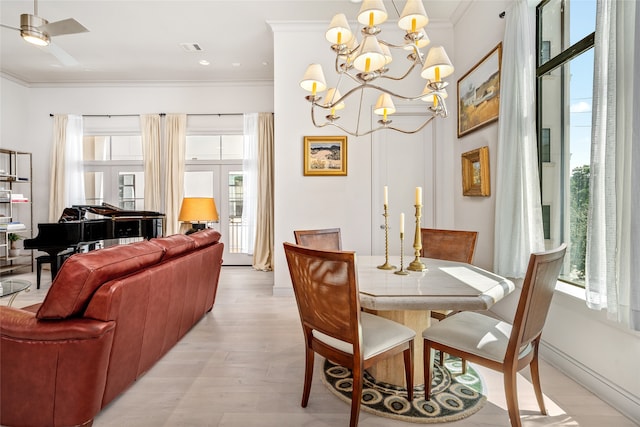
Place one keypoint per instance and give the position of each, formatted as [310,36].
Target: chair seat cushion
[378,335]
[474,333]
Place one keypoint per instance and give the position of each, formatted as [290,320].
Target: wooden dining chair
[327,239]
[325,285]
[496,344]
[450,245]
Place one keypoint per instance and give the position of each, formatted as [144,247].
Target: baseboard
[622,400]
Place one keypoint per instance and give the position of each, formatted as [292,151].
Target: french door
[223,182]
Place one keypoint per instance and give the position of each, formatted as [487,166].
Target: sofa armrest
[23,325]
[56,366]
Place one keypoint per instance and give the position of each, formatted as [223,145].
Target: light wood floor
[243,366]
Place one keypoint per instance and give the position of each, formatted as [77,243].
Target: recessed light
[235,64]
[204,62]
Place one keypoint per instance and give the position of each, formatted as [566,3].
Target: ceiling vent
[191,47]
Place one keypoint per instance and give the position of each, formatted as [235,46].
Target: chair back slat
[326,290]
[537,292]
[327,239]
[450,245]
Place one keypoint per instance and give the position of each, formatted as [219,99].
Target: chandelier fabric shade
[365,66]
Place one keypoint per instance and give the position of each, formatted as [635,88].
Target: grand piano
[74,229]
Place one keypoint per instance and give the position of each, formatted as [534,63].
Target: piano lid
[106,209]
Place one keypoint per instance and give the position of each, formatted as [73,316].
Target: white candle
[386,195]
[402,223]
[418,195]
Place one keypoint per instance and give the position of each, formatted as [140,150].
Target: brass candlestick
[402,271]
[386,265]
[416,264]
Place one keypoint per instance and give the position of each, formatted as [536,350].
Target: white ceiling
[140,41]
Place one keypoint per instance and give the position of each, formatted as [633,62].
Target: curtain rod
[161,114]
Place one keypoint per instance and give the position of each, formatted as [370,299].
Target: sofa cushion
[205,237]
[175,245]
[82,274]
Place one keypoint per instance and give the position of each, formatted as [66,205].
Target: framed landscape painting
[479,93]
[325,155]
[475,172]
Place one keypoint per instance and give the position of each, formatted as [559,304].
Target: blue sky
[583,13]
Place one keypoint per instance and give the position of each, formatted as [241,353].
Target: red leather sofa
[108,317]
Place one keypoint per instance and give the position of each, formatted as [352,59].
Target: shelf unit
[16,208]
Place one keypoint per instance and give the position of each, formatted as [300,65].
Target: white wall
[596,352]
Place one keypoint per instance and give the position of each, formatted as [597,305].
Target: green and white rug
[454,395]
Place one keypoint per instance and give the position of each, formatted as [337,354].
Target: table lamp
[198,211]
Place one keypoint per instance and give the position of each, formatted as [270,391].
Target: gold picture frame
[475,172]
[325,156]
[479,93]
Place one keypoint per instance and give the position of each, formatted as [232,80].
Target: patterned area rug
[455,396]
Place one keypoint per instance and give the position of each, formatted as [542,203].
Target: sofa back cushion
[205,237]
[82,274]
[175,245]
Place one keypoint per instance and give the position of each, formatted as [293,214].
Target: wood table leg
[391,370]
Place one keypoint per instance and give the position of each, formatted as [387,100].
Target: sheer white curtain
[150,126]
[66,186]
[176,137]
[518,223]
[249,182]
[612,272]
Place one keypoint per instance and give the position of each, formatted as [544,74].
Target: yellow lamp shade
[198,209]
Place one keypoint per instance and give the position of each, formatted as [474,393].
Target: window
[114,171]
[564,97]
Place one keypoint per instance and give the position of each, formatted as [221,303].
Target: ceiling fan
[38,31]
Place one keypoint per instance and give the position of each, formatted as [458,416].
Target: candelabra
[386,265]
[402,271]
[416,264]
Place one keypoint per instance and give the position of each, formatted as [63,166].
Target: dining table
[408,298]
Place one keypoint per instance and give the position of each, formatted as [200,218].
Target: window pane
[551,27]
[126,147]
[203,147]
[237,229]
[582,16]
[94,187]
[563,24]
[232,147]
[566,99]
[131,190]
[96,148]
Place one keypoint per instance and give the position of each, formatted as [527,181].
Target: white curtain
[249,183]
[150,126]
[518,223]
[612,272]
[66,186]
[176,137]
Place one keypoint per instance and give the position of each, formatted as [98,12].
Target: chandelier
[366,64]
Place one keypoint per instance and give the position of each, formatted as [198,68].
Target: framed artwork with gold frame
[479,93]
[475,172]
[325,155]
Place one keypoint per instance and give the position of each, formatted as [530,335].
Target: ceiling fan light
[30,32]
[35,37]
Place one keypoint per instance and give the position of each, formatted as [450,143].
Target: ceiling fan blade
[61,55]
[9,27]
[66,26]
